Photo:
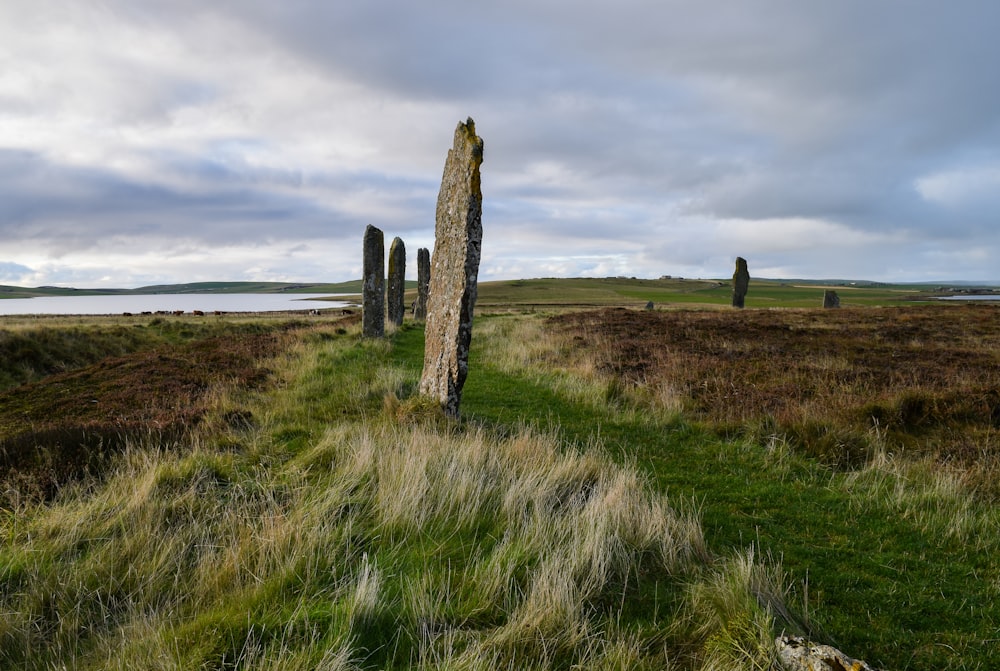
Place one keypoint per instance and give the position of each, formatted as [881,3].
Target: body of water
[972,297]
[137,304]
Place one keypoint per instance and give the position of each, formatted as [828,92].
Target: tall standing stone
[830,299]
[373,287]
[397,281]
[741,282]
[458,234]
[423,283]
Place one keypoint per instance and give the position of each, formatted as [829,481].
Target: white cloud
[637,137]
[957,187]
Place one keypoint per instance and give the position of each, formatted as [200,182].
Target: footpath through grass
[887,582]
[342,524]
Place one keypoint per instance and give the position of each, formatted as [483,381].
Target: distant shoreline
[172,304]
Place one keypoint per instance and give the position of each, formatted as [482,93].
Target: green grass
[576,292]
[899,570]
[566,522]
[348,528]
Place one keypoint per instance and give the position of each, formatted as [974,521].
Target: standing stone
[741,282]
[458,234]
[423,282]
[831,299]
[373,288]
[397,281]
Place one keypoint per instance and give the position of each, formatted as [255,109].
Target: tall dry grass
[919,382]
[323,533]
[530,348]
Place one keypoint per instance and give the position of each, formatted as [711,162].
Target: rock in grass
[373,288]
[798,654]
[397,281]
[831,299]
[741,282]
[458,234]
[423,283]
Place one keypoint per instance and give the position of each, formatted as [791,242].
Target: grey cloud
[65,207]
[603,122]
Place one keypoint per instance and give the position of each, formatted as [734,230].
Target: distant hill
[580,291]
[349,287]
[352,286]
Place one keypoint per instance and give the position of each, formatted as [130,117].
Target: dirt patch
[67,425]
[923,378]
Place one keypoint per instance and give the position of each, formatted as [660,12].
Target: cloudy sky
[151,141]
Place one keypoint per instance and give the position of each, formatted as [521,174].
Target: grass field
[597,507]
[586,292]
[891,554]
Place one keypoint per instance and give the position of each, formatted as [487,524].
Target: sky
[164,141]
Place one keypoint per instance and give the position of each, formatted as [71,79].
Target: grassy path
[328,528]
[875,582]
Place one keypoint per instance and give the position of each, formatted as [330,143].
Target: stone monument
[741,282]
[831,299]
[397,281]
[373,287]
[458,234]
[423,282]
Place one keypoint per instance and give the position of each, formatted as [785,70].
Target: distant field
[686,292]
[570,292]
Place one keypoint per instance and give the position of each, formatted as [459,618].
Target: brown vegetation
[67,424]
[921,380]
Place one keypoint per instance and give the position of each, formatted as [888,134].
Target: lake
[136,304]
[972,297]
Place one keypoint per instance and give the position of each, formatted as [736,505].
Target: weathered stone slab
[741,282]
[798,654]
[458,234]
[423,283]
[373,286]
[397,282]
[831,299]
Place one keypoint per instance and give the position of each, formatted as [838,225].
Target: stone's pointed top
[465,134]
